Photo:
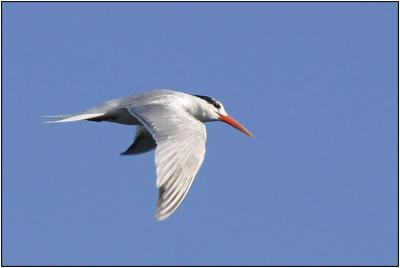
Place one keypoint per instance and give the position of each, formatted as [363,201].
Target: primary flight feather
[170,122]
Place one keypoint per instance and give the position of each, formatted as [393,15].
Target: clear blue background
[315,82]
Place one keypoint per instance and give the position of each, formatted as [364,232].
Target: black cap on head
[210,100]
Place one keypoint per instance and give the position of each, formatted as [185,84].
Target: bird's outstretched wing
[180,150]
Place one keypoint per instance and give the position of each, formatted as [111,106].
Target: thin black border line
[397,99]
[200,1]
[97,2]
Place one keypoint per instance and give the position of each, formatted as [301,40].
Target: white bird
[170,122]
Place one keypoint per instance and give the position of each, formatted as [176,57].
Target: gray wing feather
[180,150]
[143,143]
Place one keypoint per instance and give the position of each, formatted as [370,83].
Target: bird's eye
[217,105]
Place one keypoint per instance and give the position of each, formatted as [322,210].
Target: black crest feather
[210,100]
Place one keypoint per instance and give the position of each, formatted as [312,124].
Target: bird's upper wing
[180,150]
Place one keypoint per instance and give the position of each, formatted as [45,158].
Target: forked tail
[72,117]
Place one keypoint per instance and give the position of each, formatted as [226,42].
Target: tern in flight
[170,122]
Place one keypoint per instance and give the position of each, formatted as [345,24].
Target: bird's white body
[170,122]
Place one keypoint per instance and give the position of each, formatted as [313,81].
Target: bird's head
[214,110]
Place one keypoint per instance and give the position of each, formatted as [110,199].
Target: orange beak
[229,120]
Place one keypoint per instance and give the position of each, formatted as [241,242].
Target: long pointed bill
[229,120]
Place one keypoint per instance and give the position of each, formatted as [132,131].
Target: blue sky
[315,82]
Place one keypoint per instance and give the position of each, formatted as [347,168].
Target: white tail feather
[71,118]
